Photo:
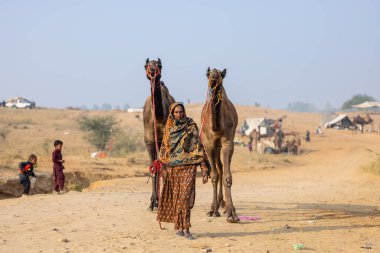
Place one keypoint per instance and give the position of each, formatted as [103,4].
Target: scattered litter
[248,218]
[100,154]
[310,221]
[298,246]
[66,133]
[287,226]
[65,240]
[206,250]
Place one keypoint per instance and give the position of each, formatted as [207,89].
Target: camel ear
[159,63]
[224,72]
[208,72]
[146,63]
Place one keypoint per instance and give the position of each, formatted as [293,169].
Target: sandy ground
[323,199]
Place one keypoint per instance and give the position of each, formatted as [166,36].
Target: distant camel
[358,120]
[217,133]
[162,100]
[292,142]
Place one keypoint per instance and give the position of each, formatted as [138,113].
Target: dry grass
[34,131]
[373,167]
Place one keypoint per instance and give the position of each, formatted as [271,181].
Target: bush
[301,107]
[127,144]
[4,132]
[99,129]
[356,99]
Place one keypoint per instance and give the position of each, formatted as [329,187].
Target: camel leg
[214,179]
[228,150]
[219,167]
[151,147]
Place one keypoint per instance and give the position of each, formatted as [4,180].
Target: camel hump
[163,87]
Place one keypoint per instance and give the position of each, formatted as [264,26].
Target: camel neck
[216,106]
[157,94]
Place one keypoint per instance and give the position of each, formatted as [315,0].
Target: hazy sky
[75,53]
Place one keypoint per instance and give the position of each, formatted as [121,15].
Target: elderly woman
[181,152]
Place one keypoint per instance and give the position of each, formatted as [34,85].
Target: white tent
[251,124]
[342,121]
[367,104]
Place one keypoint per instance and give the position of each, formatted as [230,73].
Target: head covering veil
[181,144]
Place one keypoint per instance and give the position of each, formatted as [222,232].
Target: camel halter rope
[152,84]
[155,168]
[211,92]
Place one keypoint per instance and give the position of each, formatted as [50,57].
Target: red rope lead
[206,109]
[155,168]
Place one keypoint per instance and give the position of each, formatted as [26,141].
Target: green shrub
[4,132]
[99,129]
[125,144]
[356,99]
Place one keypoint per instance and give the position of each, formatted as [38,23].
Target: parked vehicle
[20,102]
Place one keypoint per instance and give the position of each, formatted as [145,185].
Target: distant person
[318,131]
[307,136]
[250,143]
[58,176]
[2,104]
[26,174]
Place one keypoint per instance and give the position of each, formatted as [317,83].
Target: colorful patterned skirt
[178,195]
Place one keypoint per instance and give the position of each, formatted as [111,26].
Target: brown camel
[358,120]
[155,114]
[219,120]
[292,142]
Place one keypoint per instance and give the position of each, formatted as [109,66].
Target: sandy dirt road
[323,199]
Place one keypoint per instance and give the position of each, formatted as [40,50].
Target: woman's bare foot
[180,233]
[188,235]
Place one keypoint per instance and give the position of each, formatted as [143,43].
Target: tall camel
[217,134]
[358,120]
[155,114]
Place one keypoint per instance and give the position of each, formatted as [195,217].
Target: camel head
[368,119]
[215,77]
[153,69]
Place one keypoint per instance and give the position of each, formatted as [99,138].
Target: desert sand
[324,199]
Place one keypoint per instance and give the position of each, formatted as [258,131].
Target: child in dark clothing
[58,176]
[26,173]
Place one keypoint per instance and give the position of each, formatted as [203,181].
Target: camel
[159,112]
[292,142]
[217,135]
[358,120]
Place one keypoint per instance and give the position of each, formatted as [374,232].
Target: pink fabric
[248,218]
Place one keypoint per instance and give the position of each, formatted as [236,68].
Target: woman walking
[180,154]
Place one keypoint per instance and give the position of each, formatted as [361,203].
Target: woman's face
[178,112]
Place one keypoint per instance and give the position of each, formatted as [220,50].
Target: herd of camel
[219,121]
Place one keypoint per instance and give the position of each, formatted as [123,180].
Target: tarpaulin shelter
[340,122]
[367,105]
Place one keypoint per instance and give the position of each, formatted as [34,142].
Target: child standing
[58,176]
[26,173]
